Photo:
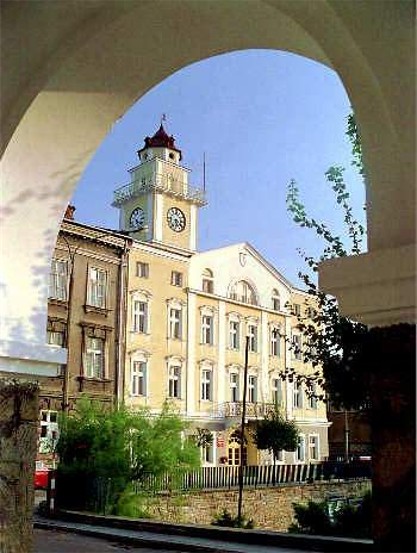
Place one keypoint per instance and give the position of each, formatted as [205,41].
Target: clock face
[176,219]
[137,218]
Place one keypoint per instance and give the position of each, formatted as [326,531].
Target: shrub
[225,519]
[347,520]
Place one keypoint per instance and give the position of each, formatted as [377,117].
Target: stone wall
[18,439]
[271,508]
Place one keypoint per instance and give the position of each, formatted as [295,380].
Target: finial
[163,118]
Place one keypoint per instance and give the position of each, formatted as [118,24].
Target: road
[48,541]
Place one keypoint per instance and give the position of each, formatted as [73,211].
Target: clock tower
[159,205]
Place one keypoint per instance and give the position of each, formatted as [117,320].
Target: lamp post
[242,435]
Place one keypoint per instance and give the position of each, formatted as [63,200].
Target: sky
[261,118]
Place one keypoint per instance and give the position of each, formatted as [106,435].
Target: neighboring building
[189,314]
[349,434]
[86,314]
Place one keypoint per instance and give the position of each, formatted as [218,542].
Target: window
[297,309]
[253,338]
[243,292]
[276,301]
[275,339]
[234,334]
[313,447]
[140,316]
[276,389]
[56,338]
[206,392]
[207,281]
[296,346]
[312,397]
[174,382]
[142,269]
[176,278]
[96,291]
[94,358]
[138,382]
[297,396]
[300,452]
[49,431]
[58,280]
[175,326]
[234,387]
[252,388]
[207,452]
[207,329]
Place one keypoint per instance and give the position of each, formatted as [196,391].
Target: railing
[159,183]
[83,492]
[254,476]
[253,410]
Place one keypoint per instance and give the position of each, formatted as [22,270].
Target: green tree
[275,433]
[119,445]
[332,343]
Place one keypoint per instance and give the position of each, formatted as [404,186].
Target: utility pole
[242,435]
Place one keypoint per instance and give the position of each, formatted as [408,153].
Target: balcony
[255,410]
[159,183]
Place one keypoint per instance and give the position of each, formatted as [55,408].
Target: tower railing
[159,183]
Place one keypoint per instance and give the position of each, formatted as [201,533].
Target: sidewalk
[158,541]
[184,539]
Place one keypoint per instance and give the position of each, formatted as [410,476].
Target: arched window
[242,291]
[207,283]
[276,301]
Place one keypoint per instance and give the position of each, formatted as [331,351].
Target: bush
[347,520]
[225,519]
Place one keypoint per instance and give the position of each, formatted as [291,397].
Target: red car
[41,476]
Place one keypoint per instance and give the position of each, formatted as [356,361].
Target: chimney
[69,212]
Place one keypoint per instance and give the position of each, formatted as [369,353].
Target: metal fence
[222,477]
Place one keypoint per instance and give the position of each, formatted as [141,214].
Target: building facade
[191,316]
[86,315]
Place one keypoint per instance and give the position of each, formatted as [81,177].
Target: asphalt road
[52,541]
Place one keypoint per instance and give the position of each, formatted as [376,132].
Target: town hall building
[191,316]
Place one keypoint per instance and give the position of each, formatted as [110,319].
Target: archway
[71,69]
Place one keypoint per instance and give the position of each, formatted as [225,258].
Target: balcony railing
[253,410]
[159,183]
[242,298]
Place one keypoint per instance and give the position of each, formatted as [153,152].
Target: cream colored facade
[189,316]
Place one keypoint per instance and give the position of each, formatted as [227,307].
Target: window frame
[275,342]
[174,381]
[207,329]
[252,388]
[297,396]
[234,387]
[206,384]
[301,448]
[315,447]
[177,279]
[58,280]
[140,317]
[91,354]
[139,376]
[142,269]
[175,322]
[252,330]
[97,289]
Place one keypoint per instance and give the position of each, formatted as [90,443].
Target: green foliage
[203,437]
[115,446]
[332,344]
[225,519]
[346,520]
[275,433]
[132,504]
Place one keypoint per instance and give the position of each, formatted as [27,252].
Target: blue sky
[262,118]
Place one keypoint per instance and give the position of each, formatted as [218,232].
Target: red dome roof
[160,140]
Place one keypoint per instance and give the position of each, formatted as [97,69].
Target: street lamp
[242,435]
